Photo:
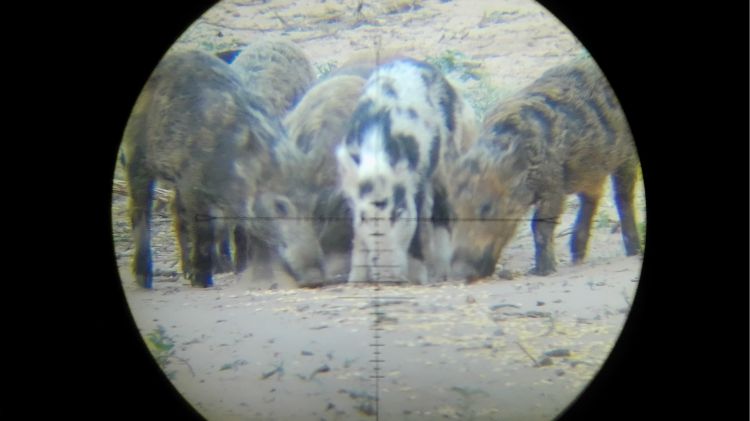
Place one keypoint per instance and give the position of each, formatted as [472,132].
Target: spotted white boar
[408,120]
[563,134]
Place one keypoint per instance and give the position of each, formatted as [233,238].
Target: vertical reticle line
[377,313]
[376,346]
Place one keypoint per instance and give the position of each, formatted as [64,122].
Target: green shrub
[456,62]
[324,69]
[161,347]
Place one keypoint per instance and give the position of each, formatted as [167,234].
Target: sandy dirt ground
[517,348]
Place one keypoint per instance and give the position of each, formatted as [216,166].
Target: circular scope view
[396,210]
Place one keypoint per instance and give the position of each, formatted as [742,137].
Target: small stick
[279,369]
[186,363]
[536,364]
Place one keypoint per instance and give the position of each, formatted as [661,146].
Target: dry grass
[393,7]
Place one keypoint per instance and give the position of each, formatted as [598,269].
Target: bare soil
[519,347]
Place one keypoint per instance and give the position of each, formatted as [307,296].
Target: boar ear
[347,168]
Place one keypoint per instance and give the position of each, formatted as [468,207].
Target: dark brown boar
[196,126]
[277,70]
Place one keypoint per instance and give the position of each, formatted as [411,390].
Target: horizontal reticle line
[377,266]
[202,218]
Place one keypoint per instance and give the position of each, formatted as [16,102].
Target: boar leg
[358,271]
[224,253]
[543,226]
[623,183]
[182,232]
[240,248]
[582,228]
[204,244]
[141,196]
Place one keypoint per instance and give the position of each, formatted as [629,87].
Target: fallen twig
[323,369]
[536,364]
[184,361]
[278,369]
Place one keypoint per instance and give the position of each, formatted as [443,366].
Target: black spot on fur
[399,197]
[411,150]
[434,154]
[428,71]
[403,146]
[426,79]
[415,247]
[355,158]
[441,210]
[365,187]
[380,118]
[381,204]
[412,113]
[447,106]
[389,91]
[393,149]
[362,116]
[399,202]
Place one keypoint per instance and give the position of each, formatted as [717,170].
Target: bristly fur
[277,70]
[195,125]
[316,127]
[563,134]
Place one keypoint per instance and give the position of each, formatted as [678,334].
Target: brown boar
[563,134]
[316,126]
[197,127]
[194,126]
[277,70]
